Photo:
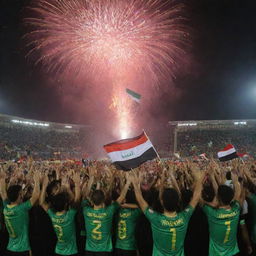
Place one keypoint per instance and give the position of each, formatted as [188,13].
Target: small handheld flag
[134,95]
[228,153]
[130,153]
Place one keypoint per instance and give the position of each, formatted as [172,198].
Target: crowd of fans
[160,209]
[42,143]
[195,142]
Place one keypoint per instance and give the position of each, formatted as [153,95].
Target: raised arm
[42,201]
[199,179]
[237,188]
[36,190]
[87,188]
[3,192]
[136,184]
[121,198]
[76,179]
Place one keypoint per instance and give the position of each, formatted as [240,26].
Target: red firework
[121,39]
[85,35]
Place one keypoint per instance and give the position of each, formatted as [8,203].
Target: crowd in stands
[160,209]
[195,142]
[42,143]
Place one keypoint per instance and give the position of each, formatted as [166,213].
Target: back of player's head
[98,197]
[59,202]
[208,193]
[52,188]
[225,194]
[130,197]
[13,192]
[170,199]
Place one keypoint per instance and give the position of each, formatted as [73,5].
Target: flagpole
[153,146]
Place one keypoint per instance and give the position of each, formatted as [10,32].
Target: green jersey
[126,224]
[64,227]
[252,199]
[98,225]
[17,222]
[169,232]
[223,229]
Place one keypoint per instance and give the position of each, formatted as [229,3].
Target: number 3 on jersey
[96,234]
[174,236]
[59,232]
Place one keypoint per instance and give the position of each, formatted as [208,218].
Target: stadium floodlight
[30,123]
[187,124]
[240,123]
[68,126]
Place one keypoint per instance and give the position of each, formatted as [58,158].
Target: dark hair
[228,175]
[51,186]
[98,197]
[225,194]
[13,192]
[208,193]
[170,198]
[186,195]
[59,202]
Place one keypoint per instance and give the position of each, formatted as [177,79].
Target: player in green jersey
[63,216]
[98,220]
[223,218]
[169,228]
[127,217]
[16,215]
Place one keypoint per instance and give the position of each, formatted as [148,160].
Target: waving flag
[130,153]
[228,153]
[134,95]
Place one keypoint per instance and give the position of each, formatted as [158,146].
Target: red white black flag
[228,153]
[130,153]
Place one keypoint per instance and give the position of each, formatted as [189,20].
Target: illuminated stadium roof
[8,120]
[213,124]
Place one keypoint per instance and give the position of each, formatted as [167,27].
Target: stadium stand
[21,137]
[196,137]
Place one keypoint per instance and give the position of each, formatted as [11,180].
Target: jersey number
[174,235]
[122,229]
[9,227]
[227,223]
[59,232]
[96,234]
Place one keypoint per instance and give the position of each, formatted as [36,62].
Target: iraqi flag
[228,153]
[130,153]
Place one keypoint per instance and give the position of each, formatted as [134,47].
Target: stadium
[48,140]
[92,161]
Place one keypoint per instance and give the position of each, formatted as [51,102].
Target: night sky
[220,85]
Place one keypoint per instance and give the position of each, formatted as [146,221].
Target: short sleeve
[188,211]
[206,209]
[113,207]
[150,214]
[26,205]
[235,205]
[85,203]
[5,202]
[72,212]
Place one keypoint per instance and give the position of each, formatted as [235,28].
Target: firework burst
[117,38]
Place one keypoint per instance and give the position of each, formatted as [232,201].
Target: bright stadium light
[30,123]
[68,126]
[240,123]
[187,124]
